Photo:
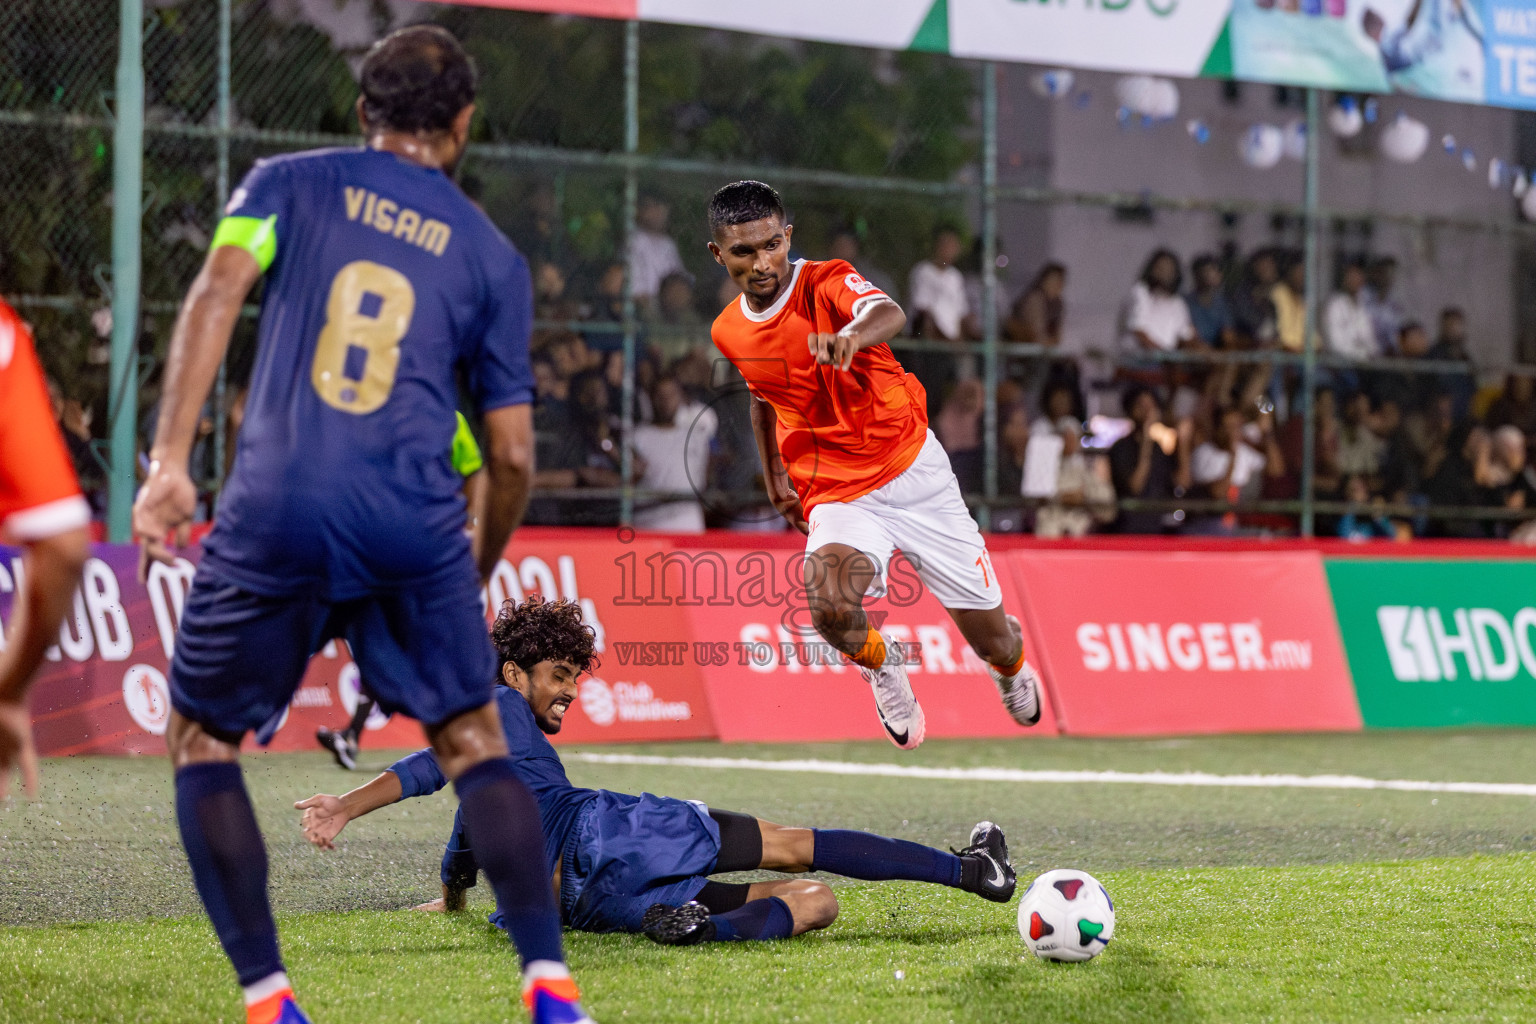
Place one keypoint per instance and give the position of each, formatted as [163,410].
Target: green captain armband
[466,453]
[257,237]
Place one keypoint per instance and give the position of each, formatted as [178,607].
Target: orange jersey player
[41,509]
[848,457]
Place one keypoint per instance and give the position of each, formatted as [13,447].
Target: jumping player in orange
[848,458]
[41,509]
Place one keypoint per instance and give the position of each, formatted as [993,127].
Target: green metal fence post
[991,373]
[127,215]
[631,204]
[1309,346]
[221,196]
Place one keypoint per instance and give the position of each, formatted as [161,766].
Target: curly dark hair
[417,79]
[539,630]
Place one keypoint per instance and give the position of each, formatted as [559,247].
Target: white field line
[902,771]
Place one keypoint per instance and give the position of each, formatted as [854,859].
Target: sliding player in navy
[641,863]
[342,516]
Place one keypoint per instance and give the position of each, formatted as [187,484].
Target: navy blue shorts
[239,656]
[626,853]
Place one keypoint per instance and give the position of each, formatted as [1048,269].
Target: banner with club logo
[103,688]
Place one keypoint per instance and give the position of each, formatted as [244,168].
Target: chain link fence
[877,154]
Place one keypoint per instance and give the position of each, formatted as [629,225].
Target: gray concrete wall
[1058,143]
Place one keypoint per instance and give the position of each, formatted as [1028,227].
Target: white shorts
[922,514]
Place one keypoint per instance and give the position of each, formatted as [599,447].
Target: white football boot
[1020,692]
[899,710]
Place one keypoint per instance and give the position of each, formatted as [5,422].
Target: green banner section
[1438,643]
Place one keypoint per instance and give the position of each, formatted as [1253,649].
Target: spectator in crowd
[1253,307]
[1386,314]
[653,254]
[1291,436]
[1038,313]
[674,303]
[1347,327]
[549,294]
[1156,317]
[1227,468]
[1459,480]
[589,457]
[845,246]
[1400,464]
[536,231]
[1150,463]
[676,457]
[1360,447]
[1013,444]
[1209,312]
[1412,391]
[1516,406]
[608,309]
[1366,519]
[74,422]
[1290,299]
[1083,495]
[940,309]
[1451,346]
[958,429]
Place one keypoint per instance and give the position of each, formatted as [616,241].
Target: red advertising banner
[1145,643]
[770,678]
[103,689]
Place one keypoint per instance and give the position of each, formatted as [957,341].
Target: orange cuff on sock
[564,988]
[267,1011]
[872,654]
[1015,668]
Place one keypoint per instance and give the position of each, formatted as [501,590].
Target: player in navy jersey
[641,863]
[342,517]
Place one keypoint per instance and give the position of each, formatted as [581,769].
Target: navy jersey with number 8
[386,288]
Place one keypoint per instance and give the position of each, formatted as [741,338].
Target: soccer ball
[1066,915]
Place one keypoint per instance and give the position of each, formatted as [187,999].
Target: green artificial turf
[1234,904]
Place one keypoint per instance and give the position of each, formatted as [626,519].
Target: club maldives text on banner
[1439,643]
[1142,643]
[1471,51]
[103,688]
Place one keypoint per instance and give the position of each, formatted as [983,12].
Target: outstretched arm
[877,323]
[775,477]
[325,816]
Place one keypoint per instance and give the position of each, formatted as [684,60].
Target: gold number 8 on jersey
[368,312]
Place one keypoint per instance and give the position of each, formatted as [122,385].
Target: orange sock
[1012,670]
[267,1010]
[872,654]
[563,988]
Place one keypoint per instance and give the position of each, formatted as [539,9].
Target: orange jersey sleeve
[841,433]
[39,496]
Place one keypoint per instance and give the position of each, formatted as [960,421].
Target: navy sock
[229,865]
[879,859]
[503,818]
[760,919]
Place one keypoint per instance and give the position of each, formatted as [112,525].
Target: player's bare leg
[837,577]
[998,639]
